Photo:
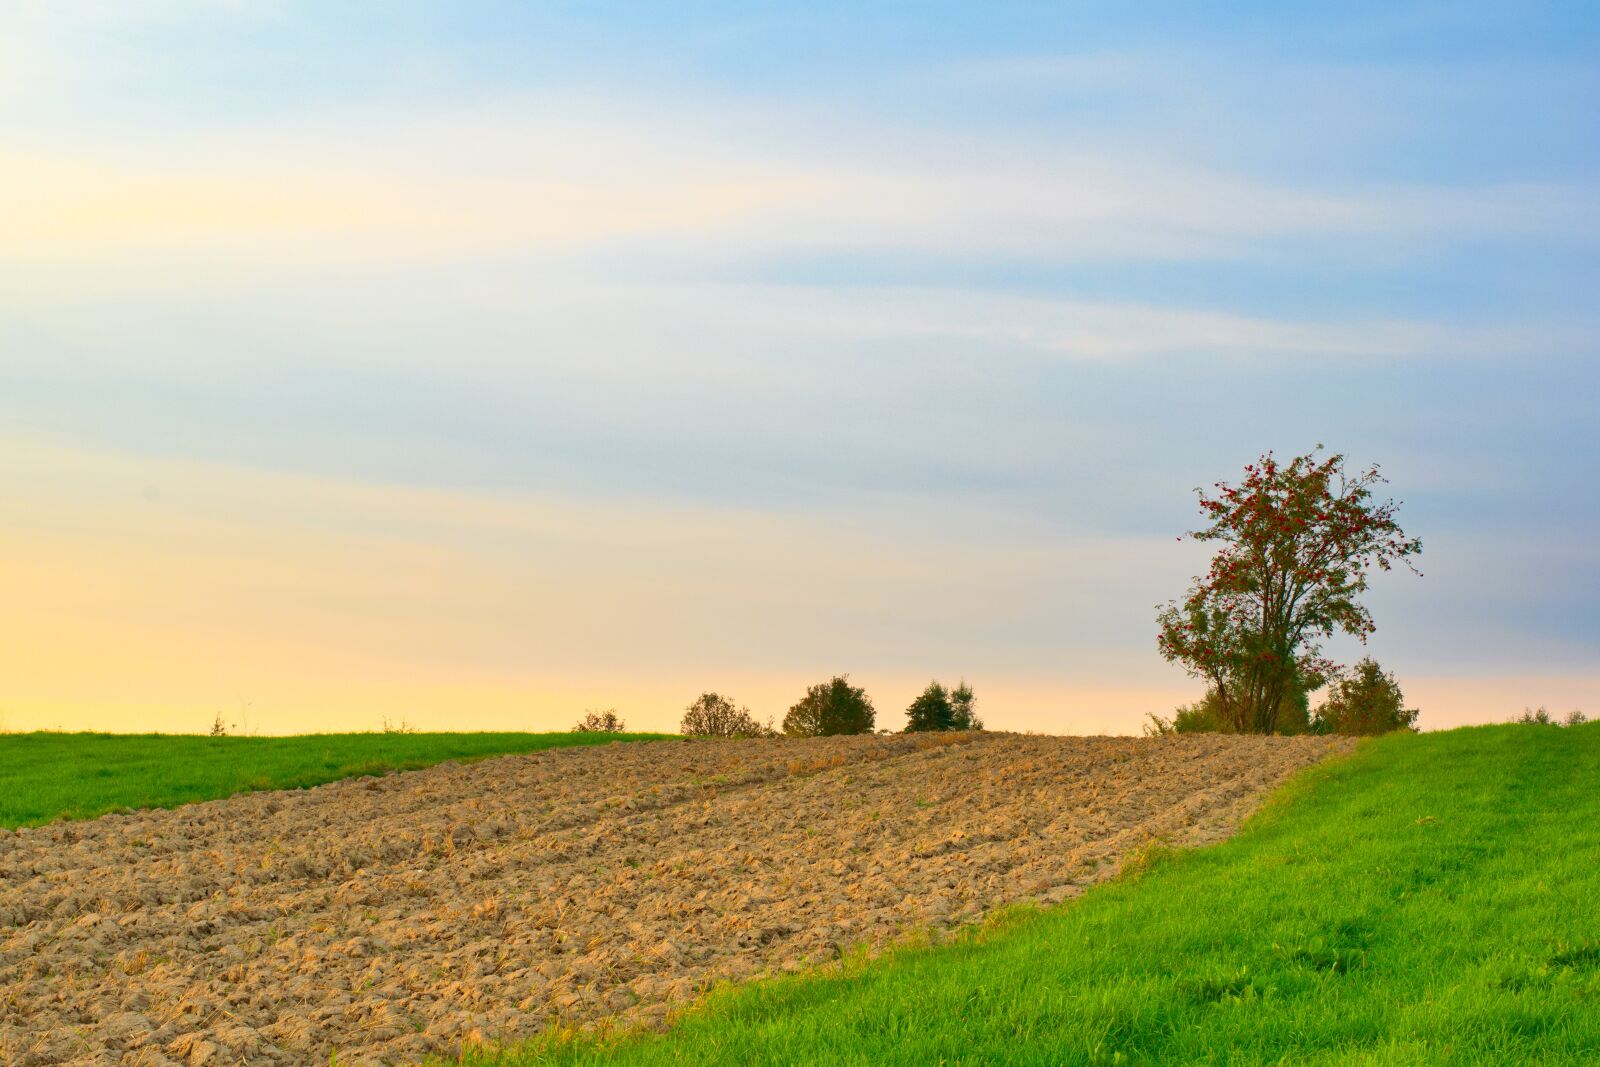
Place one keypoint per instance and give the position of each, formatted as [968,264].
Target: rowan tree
[1297,542]
[831,707]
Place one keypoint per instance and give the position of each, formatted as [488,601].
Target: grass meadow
[1432,899]
[49,776]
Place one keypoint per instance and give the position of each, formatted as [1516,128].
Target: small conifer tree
[930,711]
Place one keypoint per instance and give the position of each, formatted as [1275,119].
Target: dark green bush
[828,708]
[938,708]
[930,711]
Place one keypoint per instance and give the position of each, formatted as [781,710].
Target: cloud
[556,172]
[1082,329]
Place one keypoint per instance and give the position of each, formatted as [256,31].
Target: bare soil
[391,918]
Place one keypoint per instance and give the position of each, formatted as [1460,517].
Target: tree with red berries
[1298,540]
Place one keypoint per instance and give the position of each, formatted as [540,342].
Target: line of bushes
[828,709]
[832,708]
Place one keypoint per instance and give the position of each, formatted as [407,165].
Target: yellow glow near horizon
[155,594]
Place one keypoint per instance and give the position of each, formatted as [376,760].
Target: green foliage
[1294,711]
[963,709]
[828,708]
[600,722]
[1542,717]
[940,709]
[930,711]
[1202,717]
[1198,718]
[1430,900]
[1365,703]
[1296,542]
[1207,716]
[49,776]
[714,715]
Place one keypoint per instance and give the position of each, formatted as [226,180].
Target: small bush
[714,715]
[829,708]
[1541,717]
[1366,702]
[600,722]
[938,708]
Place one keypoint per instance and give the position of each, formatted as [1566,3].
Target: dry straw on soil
[389,918]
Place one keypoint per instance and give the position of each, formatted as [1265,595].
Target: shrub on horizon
[830,708]
[600,722]
[940,709]
[714,715]
[930,711]
[1542,717]
[1365,702]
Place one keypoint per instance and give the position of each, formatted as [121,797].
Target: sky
[475,364]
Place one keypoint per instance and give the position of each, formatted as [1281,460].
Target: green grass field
[1434,899]
[48,776]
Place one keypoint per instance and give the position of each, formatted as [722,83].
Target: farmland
[390,918]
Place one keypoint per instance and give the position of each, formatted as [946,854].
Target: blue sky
[889,340]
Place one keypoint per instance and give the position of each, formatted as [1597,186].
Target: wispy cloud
[537,173]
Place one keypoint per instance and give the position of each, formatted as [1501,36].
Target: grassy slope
[46,776]
[1433,899]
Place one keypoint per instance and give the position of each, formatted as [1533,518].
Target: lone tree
[1366,702]
[941,709]
[930,711]
[714,715]
[1297,542]
[831,707]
